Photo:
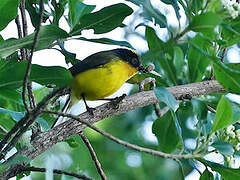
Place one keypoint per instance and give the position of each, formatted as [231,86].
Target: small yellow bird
[103,73]
[100,75]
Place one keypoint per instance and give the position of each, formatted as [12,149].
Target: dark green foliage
[179,58]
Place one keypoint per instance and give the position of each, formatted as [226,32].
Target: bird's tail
[66,109]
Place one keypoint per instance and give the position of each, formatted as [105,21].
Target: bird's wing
[92,61]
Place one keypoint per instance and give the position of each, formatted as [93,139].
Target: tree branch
[28,71]
[126,144]
[61,132]
[20,168]
[94,156]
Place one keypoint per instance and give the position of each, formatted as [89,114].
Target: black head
[130,57]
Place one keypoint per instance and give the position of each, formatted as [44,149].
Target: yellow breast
[101,82]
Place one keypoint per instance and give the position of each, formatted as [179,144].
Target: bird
[103,73]
[100,75]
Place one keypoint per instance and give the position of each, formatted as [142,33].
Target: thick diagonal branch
[59,133]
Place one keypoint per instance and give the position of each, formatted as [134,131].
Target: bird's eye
[134,61]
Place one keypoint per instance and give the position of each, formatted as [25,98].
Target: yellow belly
[101,82]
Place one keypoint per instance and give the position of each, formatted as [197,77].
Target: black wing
[92,61]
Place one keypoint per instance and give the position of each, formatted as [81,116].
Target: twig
[31,95]
[126,144]
[28,71]
[24,18]
[19,30]
[94,156]
[223,54]
[211,109]
[22,168]
[181,34]
[24,52]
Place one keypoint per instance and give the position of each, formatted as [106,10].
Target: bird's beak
[142,69]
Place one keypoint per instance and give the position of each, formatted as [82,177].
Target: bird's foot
[90,110]
[115,102]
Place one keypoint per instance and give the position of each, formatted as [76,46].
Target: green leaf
[103,21]
[178,60]
[107,41]
[205,22]
[174,4]
[165,96]
[228,75]
[163,52]
[15,71]
[15,115]
[32,6]
[196,5]
[226,173]
[72,142]
[46,75]
[8,9]
[206,175]
[48,34]
[11,99]
[181,172]
[139,77]
[197,62]
[230,32]
[149,12]
[40,93]
[154,43]
[58,10]
[165,130]
[223,115]
[76,10]
[223,147]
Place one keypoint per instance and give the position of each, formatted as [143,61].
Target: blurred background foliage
[186,40]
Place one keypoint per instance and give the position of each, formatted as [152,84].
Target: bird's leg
[115,101]
[89,109]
